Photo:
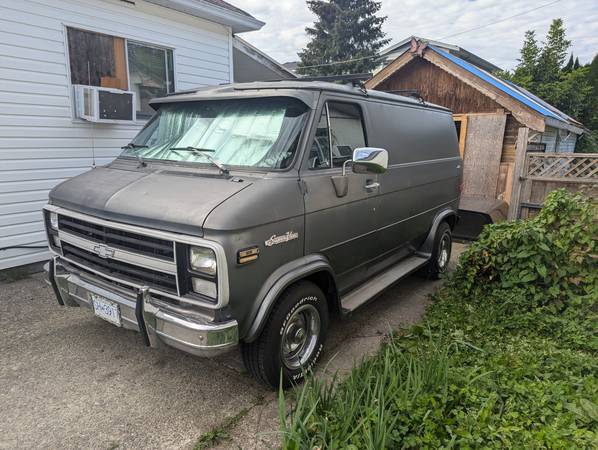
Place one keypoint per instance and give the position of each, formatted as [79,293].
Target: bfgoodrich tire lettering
[292,339]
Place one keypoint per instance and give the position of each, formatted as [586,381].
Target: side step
[373,287]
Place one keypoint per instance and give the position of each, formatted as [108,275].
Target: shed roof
[515,98]
[511,89]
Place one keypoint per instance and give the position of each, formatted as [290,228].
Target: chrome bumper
[144,314]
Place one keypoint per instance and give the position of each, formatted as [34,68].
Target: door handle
[371,185]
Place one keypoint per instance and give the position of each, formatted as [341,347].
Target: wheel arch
[314,268]
[448,215]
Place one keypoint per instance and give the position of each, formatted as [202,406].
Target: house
[251,64]
[488,111]
[144,48]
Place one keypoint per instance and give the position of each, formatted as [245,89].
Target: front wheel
[293,338]
[441,255]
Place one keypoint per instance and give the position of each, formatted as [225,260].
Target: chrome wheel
[300,336]
[444,251]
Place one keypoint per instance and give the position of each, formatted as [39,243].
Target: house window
[151,73]
[102,60]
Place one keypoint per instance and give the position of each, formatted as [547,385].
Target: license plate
[106,309]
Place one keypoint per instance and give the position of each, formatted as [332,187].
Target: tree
[525,71]
[553,54]
[569,66]
[576,64]
[344,30]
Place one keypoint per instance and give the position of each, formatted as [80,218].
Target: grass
[221,433]
[496,362]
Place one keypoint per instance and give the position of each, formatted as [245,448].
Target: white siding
[40,143]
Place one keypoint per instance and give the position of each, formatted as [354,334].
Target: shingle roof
[511,89]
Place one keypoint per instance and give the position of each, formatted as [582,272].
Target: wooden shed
[490,114]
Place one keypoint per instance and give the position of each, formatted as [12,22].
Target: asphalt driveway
[71,380]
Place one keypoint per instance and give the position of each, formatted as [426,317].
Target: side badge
[275,240]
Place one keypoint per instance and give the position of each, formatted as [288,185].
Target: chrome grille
[113,237]
[143,276]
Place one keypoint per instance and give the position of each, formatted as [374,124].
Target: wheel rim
[300,336]
[444,251]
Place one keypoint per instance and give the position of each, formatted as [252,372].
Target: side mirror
[370,160]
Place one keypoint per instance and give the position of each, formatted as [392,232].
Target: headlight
[203,260]
[205,287]
[54,220]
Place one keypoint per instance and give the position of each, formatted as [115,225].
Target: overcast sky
[284,33]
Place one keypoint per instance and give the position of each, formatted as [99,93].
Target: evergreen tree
[576,65]
[525,71]
[569,66]
[553,54]
[344,29]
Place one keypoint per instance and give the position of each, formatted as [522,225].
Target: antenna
[93,144]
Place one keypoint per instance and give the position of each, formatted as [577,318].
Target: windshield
[260,133]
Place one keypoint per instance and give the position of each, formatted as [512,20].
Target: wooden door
[483,149]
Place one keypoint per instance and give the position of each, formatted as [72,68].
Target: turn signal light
[248,255]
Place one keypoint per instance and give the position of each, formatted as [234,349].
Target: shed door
[483,149]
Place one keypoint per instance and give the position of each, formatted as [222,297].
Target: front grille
[113,237]
[124,271]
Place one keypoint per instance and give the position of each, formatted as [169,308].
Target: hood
[165,199]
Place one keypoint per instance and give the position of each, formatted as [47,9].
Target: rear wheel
[292,339]
[441,255]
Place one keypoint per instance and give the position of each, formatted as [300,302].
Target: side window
[339,132]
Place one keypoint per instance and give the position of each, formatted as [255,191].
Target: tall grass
[362,408]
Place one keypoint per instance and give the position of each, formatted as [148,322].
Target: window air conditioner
[106,105]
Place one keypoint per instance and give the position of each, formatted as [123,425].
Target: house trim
[237,21]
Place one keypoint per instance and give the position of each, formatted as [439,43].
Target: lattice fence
[572,167]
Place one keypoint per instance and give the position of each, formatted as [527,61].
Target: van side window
[334,144]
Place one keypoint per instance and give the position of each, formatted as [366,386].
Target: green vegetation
[222,432]
[343,30]
[507,355]
[570,87]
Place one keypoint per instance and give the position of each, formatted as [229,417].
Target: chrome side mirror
[369,160]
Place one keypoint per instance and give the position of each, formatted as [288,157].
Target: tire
[298,308]
[441,254]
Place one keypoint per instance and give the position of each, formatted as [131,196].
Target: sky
[284,33]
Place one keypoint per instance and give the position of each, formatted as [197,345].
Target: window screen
[151,72]
[97,59]
[339,132]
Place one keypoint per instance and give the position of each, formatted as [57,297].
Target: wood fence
[542,173]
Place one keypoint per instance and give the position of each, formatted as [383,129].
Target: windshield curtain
[261,133]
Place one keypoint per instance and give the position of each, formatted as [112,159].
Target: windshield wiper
[132,146]
[205,152]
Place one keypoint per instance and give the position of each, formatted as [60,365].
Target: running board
[365,292]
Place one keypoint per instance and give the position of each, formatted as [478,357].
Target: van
[248,214]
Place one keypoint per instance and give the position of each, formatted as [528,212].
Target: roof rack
[353,78]
[409,93]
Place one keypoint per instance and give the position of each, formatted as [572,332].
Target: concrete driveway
[70,380]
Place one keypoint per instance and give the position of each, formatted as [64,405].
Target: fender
[277,282]
[428,246]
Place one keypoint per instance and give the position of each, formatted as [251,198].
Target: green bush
[506,356]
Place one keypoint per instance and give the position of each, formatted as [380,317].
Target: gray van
[248,214]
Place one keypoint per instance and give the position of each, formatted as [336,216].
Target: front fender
[276,283]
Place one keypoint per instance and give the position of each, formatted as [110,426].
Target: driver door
[342,228]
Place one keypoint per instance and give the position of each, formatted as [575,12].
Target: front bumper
[141,312]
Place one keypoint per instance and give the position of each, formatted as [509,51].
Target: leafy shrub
[506,356]
[552,257]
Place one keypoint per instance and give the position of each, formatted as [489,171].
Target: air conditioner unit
[106,105]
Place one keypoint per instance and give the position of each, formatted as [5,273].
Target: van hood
[165,199]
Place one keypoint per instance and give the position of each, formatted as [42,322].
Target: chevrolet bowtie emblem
[103,251]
